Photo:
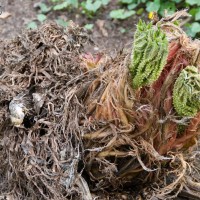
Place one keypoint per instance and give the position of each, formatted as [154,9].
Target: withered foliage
[40,158]
[84,119]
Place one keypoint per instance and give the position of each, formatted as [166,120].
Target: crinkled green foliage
[186,92]
[150,50]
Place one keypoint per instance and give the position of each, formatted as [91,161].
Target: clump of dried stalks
[89,119]
[138,139]
[40,158]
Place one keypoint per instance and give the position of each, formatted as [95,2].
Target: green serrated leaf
[132,6]
[195,27]
[74,3]
[140,11]
[193,2]
[121,13]
[170,7]
[41,17]
[153,6]
[193,11]
[93,7]
[123,30]
[197,15]
[89,26]
[105,2]
[61,6]
[44,8]
[188,30]
[32,25]
[62,22]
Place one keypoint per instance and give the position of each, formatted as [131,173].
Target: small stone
[96,48]
[124,197]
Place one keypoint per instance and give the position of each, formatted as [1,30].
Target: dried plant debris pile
[72,123]
[40,135]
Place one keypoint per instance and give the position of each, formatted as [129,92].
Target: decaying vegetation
[72,123]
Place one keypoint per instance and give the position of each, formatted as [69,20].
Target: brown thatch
[40,157]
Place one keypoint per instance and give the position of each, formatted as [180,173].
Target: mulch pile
[71,124]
